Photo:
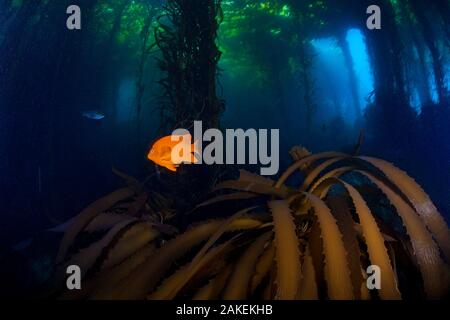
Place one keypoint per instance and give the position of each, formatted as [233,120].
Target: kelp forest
[88,179]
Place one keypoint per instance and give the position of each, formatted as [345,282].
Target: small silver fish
[93,115]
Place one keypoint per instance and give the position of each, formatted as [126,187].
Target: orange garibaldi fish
[161,151]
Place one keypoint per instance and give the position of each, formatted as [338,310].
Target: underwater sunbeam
[358,50]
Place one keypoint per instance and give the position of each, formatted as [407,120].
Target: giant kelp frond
[425,248]
[314,241]
[88,215]
[337,274]
[287,250]
[238,286]
[420,201]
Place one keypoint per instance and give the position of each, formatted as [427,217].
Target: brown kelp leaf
[227,197]
[365,293]
[133,239]
[165,229]
[146,276]
[263,266]
[137,205]
[108,279]
[172,285]
[212,290]
[311,177]
[213,239]
[378,254]
[374,239]
[308,286]
[315,244]
[250,186]
[433,269]
[386,237]
[245,175]
[320,189]
[287,250]
[337,273]
[298,164]
[239,283]
[419,199]
[341,211]
[299,152]
[269,292]
[105,221]
[87,257]
[86,216]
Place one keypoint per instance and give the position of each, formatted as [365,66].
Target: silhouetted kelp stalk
[185,36]
[314,241]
